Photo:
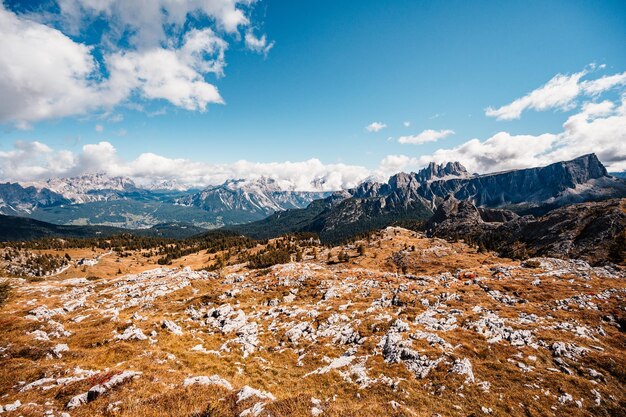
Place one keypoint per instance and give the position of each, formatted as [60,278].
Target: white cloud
[32,161]
[392,164]
[163,74]
[427,135]
[256,44]
[600,85]
[146,20]
[99,128]
[558,93]
[407,124]
[598,127]
[45,73]
[48,75]
[375,127]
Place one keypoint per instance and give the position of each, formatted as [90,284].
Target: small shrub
[531,263]
[5,291]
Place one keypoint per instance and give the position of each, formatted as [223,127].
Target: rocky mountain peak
[401,180]
[584,168]
[436,171]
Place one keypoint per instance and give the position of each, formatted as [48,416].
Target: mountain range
[240,201]
[98,199]
[265,208]
[415,196]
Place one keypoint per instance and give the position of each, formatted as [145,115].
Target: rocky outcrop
[102,388]
[593,231]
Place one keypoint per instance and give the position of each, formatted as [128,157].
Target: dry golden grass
[274,366]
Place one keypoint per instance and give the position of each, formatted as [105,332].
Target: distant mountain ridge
[98,199]
[414,196]
[15,199]
[90,187]
[273,206]
[249,198]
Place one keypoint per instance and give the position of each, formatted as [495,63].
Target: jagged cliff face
[593,231]
[438,172]
[577,180]
[580,179]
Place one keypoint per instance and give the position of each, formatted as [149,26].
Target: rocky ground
[412,327]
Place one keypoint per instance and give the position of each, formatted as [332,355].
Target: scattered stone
[60,348]
[247,392]
[463,367]
[13,406]
[97,390]
[131,333]
[207,380]
[397,350]
[172,327]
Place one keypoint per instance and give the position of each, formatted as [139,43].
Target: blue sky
[330,68]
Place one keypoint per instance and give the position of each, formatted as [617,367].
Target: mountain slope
[128,213]
[414,196]
[593,231]
[13,228]
[16,199]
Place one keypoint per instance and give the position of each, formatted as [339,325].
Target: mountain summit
[436,171]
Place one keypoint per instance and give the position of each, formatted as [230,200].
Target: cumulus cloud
[375,127]
[34,161]
[598,127]
[407,124]
[45,73]
[392,164]
[173,75]
[150,22]
[558,93]
[427,135]
[148,49]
